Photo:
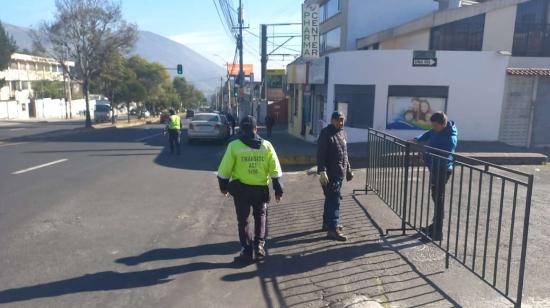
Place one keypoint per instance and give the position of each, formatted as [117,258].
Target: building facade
[486,64]
[19,92]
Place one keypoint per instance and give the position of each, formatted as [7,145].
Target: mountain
[198,70]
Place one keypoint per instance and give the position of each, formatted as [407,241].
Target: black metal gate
[476,212]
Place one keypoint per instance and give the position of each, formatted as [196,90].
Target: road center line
[40,166]
[8,144]
[148,137]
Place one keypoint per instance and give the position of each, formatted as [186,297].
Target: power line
[221,20]
[273,43]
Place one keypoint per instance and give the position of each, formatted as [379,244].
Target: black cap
[337,115]
[248,123]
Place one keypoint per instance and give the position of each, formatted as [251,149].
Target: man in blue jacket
[442,136]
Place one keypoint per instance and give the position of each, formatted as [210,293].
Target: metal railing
[476,212]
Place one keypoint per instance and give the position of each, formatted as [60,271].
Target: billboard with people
[412,112]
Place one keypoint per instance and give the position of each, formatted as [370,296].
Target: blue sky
[194,23]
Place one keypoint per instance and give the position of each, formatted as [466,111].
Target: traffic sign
[425,58]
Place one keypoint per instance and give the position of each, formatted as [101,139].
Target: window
[274,81]
[102,108]
[465,34]
[356,102]
[329,9]
[330,40]
[206,117]
[13,65]
[532,31]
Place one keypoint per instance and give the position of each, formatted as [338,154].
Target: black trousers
[439,179]
[250,198]
[174,140]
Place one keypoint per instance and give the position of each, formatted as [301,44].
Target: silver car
[208,126]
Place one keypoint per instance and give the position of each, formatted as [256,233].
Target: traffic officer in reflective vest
[246,168]
[174,128]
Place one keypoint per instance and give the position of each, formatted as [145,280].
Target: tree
[190,96]
[7,48]
[87,31]
[49,89]
[112,79]
[132,90]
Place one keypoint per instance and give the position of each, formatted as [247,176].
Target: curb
[494,158]
[125,124]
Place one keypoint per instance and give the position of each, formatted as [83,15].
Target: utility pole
[240,47]
[220,107]
[264,61]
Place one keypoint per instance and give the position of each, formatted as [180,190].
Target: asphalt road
[75,201]
[107,218]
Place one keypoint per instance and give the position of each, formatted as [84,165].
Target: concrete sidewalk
[296,151]
[304,269]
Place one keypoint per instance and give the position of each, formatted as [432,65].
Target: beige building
[18,94]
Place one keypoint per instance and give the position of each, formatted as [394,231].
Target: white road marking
[8,144]
[148,137]
[40,166]
[16,129]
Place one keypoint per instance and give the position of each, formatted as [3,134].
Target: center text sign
[310,30]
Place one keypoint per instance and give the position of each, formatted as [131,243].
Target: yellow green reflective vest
[248,165]
[175,122]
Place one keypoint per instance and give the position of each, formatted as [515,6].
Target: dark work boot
[245,256]
[431,233]
[336,235]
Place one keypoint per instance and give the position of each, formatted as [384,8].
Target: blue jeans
[331,213]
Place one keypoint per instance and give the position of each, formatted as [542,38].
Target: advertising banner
[413,112]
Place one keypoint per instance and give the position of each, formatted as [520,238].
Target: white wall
[14,110]
[475,79]
[499,29]
[364,17]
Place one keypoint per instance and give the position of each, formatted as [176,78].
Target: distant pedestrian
[442,136]
[174,127]
[247,166]
[269,123]
[333,166]
[232,122]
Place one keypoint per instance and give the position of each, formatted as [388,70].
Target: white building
[487,65]
[18,98]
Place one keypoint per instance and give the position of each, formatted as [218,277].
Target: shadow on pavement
[111,280]
[302,268]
